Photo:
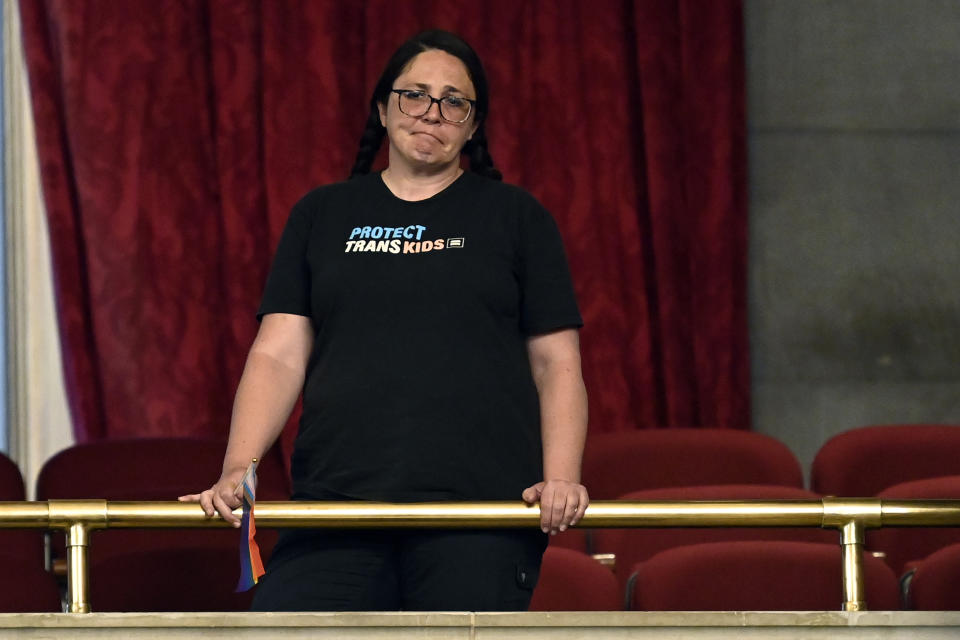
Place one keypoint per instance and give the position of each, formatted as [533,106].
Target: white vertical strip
[38,415]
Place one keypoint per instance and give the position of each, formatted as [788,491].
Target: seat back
[616,463]
[575,539]
[26,587]
[631,546]
[903,545]
[936,583]
[863,462]
[754,576]
[25,543]
[11,480]
[573,581]
[158,570]
[199,574]
[148,469]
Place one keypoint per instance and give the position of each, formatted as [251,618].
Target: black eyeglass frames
[416,103]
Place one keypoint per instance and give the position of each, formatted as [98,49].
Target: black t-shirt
[419,385]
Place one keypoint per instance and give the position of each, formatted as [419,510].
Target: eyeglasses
[416,103]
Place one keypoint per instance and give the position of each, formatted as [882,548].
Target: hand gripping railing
[851,517]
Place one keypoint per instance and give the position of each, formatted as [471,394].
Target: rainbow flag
[251,566]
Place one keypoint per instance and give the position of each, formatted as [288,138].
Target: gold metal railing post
[851,551]
[78,574]
[852,517]
[78,518]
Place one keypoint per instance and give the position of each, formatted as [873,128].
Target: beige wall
[854,139]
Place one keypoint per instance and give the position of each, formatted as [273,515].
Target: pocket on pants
[527,576]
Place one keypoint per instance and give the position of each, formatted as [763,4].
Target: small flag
[251,566]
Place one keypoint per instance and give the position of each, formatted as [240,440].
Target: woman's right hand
[221,498]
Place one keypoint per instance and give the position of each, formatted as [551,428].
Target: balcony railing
[850,517]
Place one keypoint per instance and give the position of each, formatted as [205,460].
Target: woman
[428,317]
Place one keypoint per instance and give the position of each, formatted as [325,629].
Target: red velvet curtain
[175,136]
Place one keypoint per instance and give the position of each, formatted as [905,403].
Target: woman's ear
[382,108]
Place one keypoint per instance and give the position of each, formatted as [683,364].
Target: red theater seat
[11,481]
[632,546]
[616,463]
[156,579]
[754,576]
[904,545]
[865,461]
[27,543]
[25,586]
[575,539]
[573,581]
[936,583]
[158,570]
[147,469]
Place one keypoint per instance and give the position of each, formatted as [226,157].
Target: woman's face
[429,142]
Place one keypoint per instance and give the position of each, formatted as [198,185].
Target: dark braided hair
[481,161]
[370,141]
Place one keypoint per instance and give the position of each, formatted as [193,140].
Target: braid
[370,143]
[481,161]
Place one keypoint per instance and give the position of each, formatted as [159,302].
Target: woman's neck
[409,185]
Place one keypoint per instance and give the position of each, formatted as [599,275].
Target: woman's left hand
[562,503]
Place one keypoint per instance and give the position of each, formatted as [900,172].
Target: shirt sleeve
[288,283]
[548,301]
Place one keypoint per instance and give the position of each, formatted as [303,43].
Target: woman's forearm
[268,390]
[266,395]
[269,387]
[563,419]
[555,364]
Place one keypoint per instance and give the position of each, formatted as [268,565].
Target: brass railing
[851,517]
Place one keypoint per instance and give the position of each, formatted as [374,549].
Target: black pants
[409,570]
